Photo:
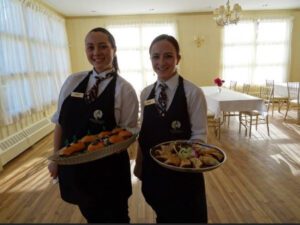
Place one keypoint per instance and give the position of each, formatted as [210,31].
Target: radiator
[15,144]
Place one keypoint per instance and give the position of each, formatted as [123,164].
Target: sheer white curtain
[34,58]
[256,50]
[133,40]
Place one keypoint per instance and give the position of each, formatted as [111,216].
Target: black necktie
[162,99]
[92,94]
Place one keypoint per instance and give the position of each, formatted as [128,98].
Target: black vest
[89,182]
[158,182]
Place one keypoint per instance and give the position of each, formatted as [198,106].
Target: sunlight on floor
[134,179]
[292,126]
[290,155]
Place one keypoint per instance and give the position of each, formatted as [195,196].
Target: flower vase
[219,89]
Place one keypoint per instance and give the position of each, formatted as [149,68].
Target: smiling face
[164,58]
[99,51]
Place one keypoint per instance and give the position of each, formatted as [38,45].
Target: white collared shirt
[196,103]
[126,115]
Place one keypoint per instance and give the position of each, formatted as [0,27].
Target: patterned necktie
[92,94]
[162,99]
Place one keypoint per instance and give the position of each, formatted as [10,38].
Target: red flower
[218,81]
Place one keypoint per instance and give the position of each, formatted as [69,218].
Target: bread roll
[125,134]
[117,130]
[115,139]
[72,148]
[88,138]
[104,134]
[95,146]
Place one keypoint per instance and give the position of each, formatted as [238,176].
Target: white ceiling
[132,7]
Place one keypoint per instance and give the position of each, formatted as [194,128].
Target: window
[256,50]
[34,58]
[133,41]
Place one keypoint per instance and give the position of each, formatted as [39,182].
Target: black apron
[170,193]
[89,183]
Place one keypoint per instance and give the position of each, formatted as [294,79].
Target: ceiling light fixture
[224,15]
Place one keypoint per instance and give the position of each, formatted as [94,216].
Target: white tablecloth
[280,89]
[231,101]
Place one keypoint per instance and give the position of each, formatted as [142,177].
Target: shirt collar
[172,82]
[102,74]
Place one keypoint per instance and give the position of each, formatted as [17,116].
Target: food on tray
[90,143]
[115,139]
[197,163]
[173,160]
[72,148]
[88,139]
[209,160]
[104,134]
[183,154]
[117,130]
[96,145]
[186,163]
[125,133]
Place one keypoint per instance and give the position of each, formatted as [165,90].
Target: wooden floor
[259,183]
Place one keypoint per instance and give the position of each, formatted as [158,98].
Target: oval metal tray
[188,170]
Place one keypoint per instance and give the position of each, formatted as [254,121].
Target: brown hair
[168,38]
[112,41]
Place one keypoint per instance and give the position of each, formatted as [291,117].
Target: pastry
[218,156]
[125,134]
[209,160]
[173,160]
[185,163]
[72,148]
[161,158]
[88,139]
[115,139]
[104,134]
[95,146]
[197,163]
[117,130]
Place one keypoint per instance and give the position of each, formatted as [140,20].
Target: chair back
[246,88]
[293,91]
[232,85]
[270,83]
[254,90]
[266,94]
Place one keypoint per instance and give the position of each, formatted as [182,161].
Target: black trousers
[180,213]
[112,210]
[175,197]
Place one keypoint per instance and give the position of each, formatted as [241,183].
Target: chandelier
[224,15]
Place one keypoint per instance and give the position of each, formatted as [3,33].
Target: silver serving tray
[188,170]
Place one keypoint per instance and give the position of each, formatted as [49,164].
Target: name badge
[77,94]
[149,101]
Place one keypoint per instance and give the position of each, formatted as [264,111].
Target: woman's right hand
[53,169]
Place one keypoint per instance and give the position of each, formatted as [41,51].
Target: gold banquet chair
[276,99]
[254,90]
[232,85]
[215,123]
[246,88]
[293,97]
[254,117]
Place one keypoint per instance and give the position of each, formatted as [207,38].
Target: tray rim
[189,170]
[94,155]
